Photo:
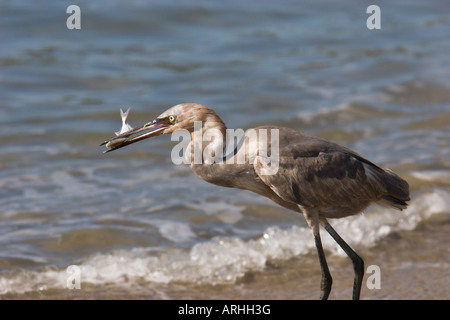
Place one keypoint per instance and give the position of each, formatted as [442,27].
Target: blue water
[133,214]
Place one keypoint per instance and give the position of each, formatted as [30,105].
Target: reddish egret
[315,177]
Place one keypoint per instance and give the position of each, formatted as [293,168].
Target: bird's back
[317,173]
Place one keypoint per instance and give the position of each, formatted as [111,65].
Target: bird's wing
[334,178]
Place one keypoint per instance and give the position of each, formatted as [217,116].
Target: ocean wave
[226,259]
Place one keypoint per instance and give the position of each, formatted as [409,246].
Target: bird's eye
[172,119]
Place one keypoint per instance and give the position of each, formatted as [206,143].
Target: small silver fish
[125,126]
[113,143]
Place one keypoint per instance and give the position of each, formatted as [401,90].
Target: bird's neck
[208,141]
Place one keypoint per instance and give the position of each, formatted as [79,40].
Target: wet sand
[413,264]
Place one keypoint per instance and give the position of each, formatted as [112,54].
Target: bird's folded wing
[324,179]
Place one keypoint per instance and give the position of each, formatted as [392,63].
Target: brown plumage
[315,177]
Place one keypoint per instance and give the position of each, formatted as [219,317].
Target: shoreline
[413,266]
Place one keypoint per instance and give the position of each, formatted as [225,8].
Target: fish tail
[124,115]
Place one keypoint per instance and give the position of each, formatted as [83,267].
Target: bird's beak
[150,129]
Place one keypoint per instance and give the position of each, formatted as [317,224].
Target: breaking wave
[226,259]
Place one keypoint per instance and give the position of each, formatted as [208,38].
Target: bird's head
[179,117]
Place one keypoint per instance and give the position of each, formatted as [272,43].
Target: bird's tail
[397,191]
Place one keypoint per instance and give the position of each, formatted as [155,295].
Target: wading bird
[315,177]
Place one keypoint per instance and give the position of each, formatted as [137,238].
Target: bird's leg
[325,285]
[358,262]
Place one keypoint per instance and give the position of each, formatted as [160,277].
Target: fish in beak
[125,126]
[128,135]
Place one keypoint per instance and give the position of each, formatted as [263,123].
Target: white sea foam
[176,231]
[224,211]
[442,176]
[225,259]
